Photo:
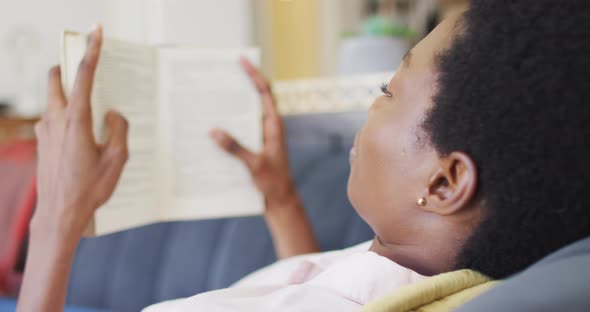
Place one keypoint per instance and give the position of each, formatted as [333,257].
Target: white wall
[37,24]
[218,23]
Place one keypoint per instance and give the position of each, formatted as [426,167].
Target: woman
[474,157]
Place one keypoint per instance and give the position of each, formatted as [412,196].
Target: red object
[18,194]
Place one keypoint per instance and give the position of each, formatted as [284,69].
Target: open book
[172,97]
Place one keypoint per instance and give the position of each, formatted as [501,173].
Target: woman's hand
[75,174]
[290,229]
[269,168]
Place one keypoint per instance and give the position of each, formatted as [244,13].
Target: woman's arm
[288,224]
[75,176]
[47,270]
[290,228]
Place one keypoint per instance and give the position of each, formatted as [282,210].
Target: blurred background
[298,38]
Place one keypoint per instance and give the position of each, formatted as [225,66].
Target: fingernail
[216,134]
[95,27]
[243,61]
[91,33]
[111,114]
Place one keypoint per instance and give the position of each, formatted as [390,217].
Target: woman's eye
[385,90]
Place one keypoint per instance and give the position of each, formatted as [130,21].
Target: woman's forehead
[416,74]
[424,53]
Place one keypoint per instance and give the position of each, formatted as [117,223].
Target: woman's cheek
[362,191]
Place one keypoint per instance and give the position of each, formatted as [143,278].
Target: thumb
[231,146]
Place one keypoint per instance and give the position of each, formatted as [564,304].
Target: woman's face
[392,159]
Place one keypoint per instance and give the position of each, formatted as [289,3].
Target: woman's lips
[352,154]
[353,150]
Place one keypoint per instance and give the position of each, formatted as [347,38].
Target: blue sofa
[129,270]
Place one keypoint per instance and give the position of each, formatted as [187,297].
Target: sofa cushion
[129,270]
[560,282]
[9,305]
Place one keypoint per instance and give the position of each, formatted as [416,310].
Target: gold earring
[421,202]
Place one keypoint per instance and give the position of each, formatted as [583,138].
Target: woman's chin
[349,190]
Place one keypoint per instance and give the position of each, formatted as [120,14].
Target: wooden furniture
[16,128]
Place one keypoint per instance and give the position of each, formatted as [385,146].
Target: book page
[201,89]
[126,80]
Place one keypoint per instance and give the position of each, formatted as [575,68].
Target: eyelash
[384,89]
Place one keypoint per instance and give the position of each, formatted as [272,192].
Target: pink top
[342,280]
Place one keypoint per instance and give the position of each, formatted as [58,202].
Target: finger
[274,138]
[111,175]
[116,142]
[273,127]
[56,99]
[80,100]
[231,146]
[268,103]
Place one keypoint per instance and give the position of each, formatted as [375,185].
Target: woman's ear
[452,186]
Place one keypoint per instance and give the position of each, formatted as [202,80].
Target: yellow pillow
[444,292]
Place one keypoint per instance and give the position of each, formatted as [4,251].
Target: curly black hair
[514,94]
